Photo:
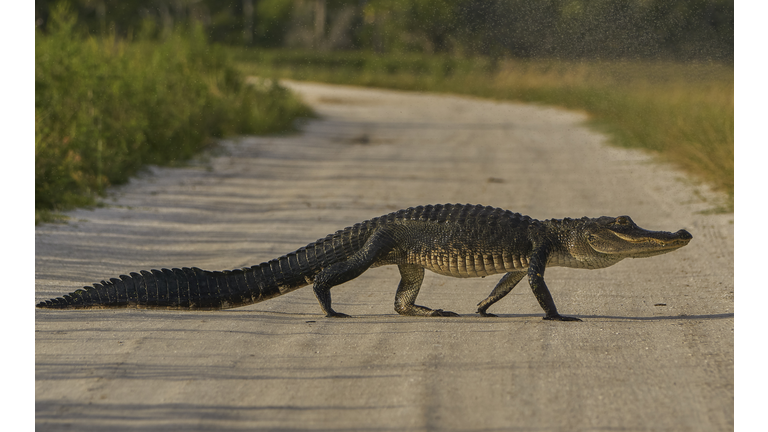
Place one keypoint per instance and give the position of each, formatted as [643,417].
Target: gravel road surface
[654,353]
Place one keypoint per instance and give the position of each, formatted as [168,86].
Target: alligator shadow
[129,417]
[646,318]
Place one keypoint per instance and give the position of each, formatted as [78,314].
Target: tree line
[569,29]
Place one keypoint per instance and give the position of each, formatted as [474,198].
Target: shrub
[104,107]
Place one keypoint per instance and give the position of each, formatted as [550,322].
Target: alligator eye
[622,220]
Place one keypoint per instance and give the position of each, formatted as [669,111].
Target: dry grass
[684,112]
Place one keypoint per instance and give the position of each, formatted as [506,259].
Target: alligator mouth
[667,240]
[654,242]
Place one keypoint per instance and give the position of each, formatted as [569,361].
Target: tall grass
[681,111]
[104,107]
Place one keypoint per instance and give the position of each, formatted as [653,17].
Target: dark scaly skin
[453,239]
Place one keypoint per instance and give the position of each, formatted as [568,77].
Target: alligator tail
[193,288]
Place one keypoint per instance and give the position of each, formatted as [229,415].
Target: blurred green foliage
[566,29]
[104,107]
[121,83]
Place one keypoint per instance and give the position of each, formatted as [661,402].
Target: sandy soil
[279,365]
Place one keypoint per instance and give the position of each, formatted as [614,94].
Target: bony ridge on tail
[453,239]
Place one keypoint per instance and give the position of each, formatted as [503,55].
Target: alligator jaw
[621,236]
[658,241]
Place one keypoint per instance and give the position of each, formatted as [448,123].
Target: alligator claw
[338,315]
[560,318]
[442,313]
[487,314]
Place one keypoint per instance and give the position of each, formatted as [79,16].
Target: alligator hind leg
[334,275]
[378,244]
[410,283]
[503,288]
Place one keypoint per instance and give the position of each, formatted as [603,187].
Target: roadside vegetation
[106,106]
[131,82]
[684,112]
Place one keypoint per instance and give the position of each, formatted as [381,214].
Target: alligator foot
[559,317]
[486,314]
[416,310]
[442,313]
[337,315]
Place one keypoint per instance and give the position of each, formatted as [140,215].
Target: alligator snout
[683,235]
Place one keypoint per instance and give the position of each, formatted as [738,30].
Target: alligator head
[604,241]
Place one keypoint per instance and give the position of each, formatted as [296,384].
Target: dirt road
[655,350]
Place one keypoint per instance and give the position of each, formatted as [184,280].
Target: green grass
[106,107]
[683,112]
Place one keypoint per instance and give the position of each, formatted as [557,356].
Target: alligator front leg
[410,283]
[503,288]
[536,279]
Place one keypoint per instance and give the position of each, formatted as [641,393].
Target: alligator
[452,239]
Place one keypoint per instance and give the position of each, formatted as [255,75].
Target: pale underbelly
[466,266]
